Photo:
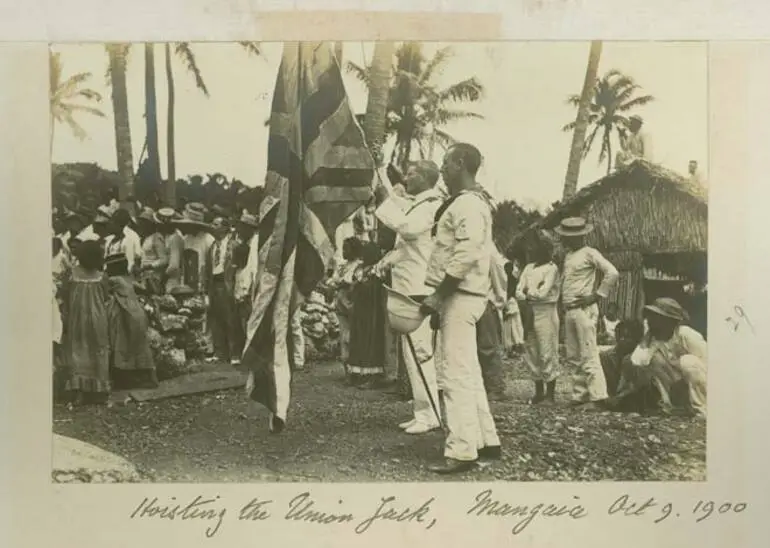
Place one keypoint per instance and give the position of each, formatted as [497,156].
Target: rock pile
[177,335]
[321,328]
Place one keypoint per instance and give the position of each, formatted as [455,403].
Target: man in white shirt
[412,220]
[581,266]
[459,271]
[226,331]
[636,145]
[125,240]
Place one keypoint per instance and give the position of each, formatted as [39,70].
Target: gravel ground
[339,433]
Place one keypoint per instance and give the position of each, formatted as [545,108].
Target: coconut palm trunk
[151,113]
[170,190]
[377,102]
[581,122]
[117,57]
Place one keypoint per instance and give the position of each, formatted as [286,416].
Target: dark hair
[470,156]
[634,329]
[57,244]
[370,253]
[353,248]
[90,255]
[122,216]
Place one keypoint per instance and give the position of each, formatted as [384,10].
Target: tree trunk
[609,154]
[171,171]
[377,103]
[338,52]
[151,114]
[581,122]
[117,56]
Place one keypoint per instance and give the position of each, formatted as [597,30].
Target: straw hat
[249,220]
[404,313]
[194,214]
[103,215]
[166,215]
[668,308]
[147,214]
[573,226]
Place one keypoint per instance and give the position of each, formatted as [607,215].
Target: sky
[524,106]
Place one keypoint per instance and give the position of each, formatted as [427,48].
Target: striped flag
[319,171]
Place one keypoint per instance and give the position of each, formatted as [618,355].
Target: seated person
[628,334]
[667,370]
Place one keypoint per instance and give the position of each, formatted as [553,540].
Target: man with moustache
[412,220]
[459,271]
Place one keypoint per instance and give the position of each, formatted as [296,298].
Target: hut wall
[650,220]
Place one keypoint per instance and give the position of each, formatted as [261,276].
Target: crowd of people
[477,306]
[103,261]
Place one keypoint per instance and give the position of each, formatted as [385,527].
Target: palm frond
[361,73]
[589,143]
[442,116]
[252,48]
[469,90]
[72,107]
[435,64]
[70,85]
[76,128]
[636,102]
[186,54]
[443,138]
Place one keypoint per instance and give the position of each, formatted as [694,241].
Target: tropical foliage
[615,96]
[70,97]
[509,220]
[85,186]
[418,108]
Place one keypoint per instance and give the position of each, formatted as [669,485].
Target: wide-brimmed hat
[147,214]
[103,215]
[404,314]
[668,308]
[194,214]
[249,220]
[166,215]
[573,226]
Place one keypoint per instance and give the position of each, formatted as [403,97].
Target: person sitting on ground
[628,334]
[667,370]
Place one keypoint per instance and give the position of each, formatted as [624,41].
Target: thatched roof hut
[647,220]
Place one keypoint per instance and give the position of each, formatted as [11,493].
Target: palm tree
[612,97]
[151,113]
[377,100]
[580,126]
[64,93]
[417,107]
[118,58]
[185,53]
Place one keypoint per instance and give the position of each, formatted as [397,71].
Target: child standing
[539,289]
[87,344]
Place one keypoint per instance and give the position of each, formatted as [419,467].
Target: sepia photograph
[379,261]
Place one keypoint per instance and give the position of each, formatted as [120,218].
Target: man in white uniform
[459,271]
[412,220]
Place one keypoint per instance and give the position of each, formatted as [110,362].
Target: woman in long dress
[130,355]
[367,322]
[87,341]
[513,331]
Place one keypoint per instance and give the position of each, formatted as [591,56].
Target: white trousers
[469,421]
[422,340]
[588,382]
[543,343]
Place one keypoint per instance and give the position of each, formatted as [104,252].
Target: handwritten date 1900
[625,506]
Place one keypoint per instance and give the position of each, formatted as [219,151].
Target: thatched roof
[643,208]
